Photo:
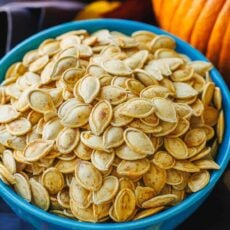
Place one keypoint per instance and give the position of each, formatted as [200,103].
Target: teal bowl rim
[8,194]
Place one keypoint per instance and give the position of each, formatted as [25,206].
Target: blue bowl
[167,219]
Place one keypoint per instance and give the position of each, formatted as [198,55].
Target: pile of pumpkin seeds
[108,127]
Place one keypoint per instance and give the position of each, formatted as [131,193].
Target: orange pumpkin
[203,23]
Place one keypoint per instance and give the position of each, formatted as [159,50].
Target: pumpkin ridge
[224,61]
[169,8]
[187,33]
[214,45]
[178,15]
[205,24]
[157,6]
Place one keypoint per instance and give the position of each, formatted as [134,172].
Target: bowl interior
[126,27]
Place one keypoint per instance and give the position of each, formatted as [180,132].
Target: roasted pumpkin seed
[80,195]
[88,176]
[163,160]
[155,178]
[100,117]
[40,101]
[138,141]
[67,140]
[19,127]
[198,180]
[77,116]
[22,187]
[113,94]
[37,149]
[8,113]
[53,180]
[164,109]
[138,108]
[124,204]
[39,194]
[134,168]
[158,201]
[88,88]
[107,191]
[113,137]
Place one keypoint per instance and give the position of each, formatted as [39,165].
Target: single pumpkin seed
[88,176]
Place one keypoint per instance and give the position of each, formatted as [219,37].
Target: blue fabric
[9,221]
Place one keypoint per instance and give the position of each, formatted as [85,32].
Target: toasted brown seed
[174,177]
[39,194]
[195,137]
[19,127]
[220,127]
[53,180]
[40,101]
[148,212]
[198,180]
[88,88]
[134,168]
[208,93]
[113,94]
[8,113]
[79,194]
[210,115]
[206,164]
[217,98]
[176,147]
[113,137]
[83,214]
[107,191]
[67,140]
[138,108]
[165,109]
[155,178]
[138,141]
[159,201]
[37,149]
[124,204]
[102,160]
[100,117]
[88,176]
[77,116]
[125,153]
[163,160]
[186,166]
[143,193]
[22,186]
